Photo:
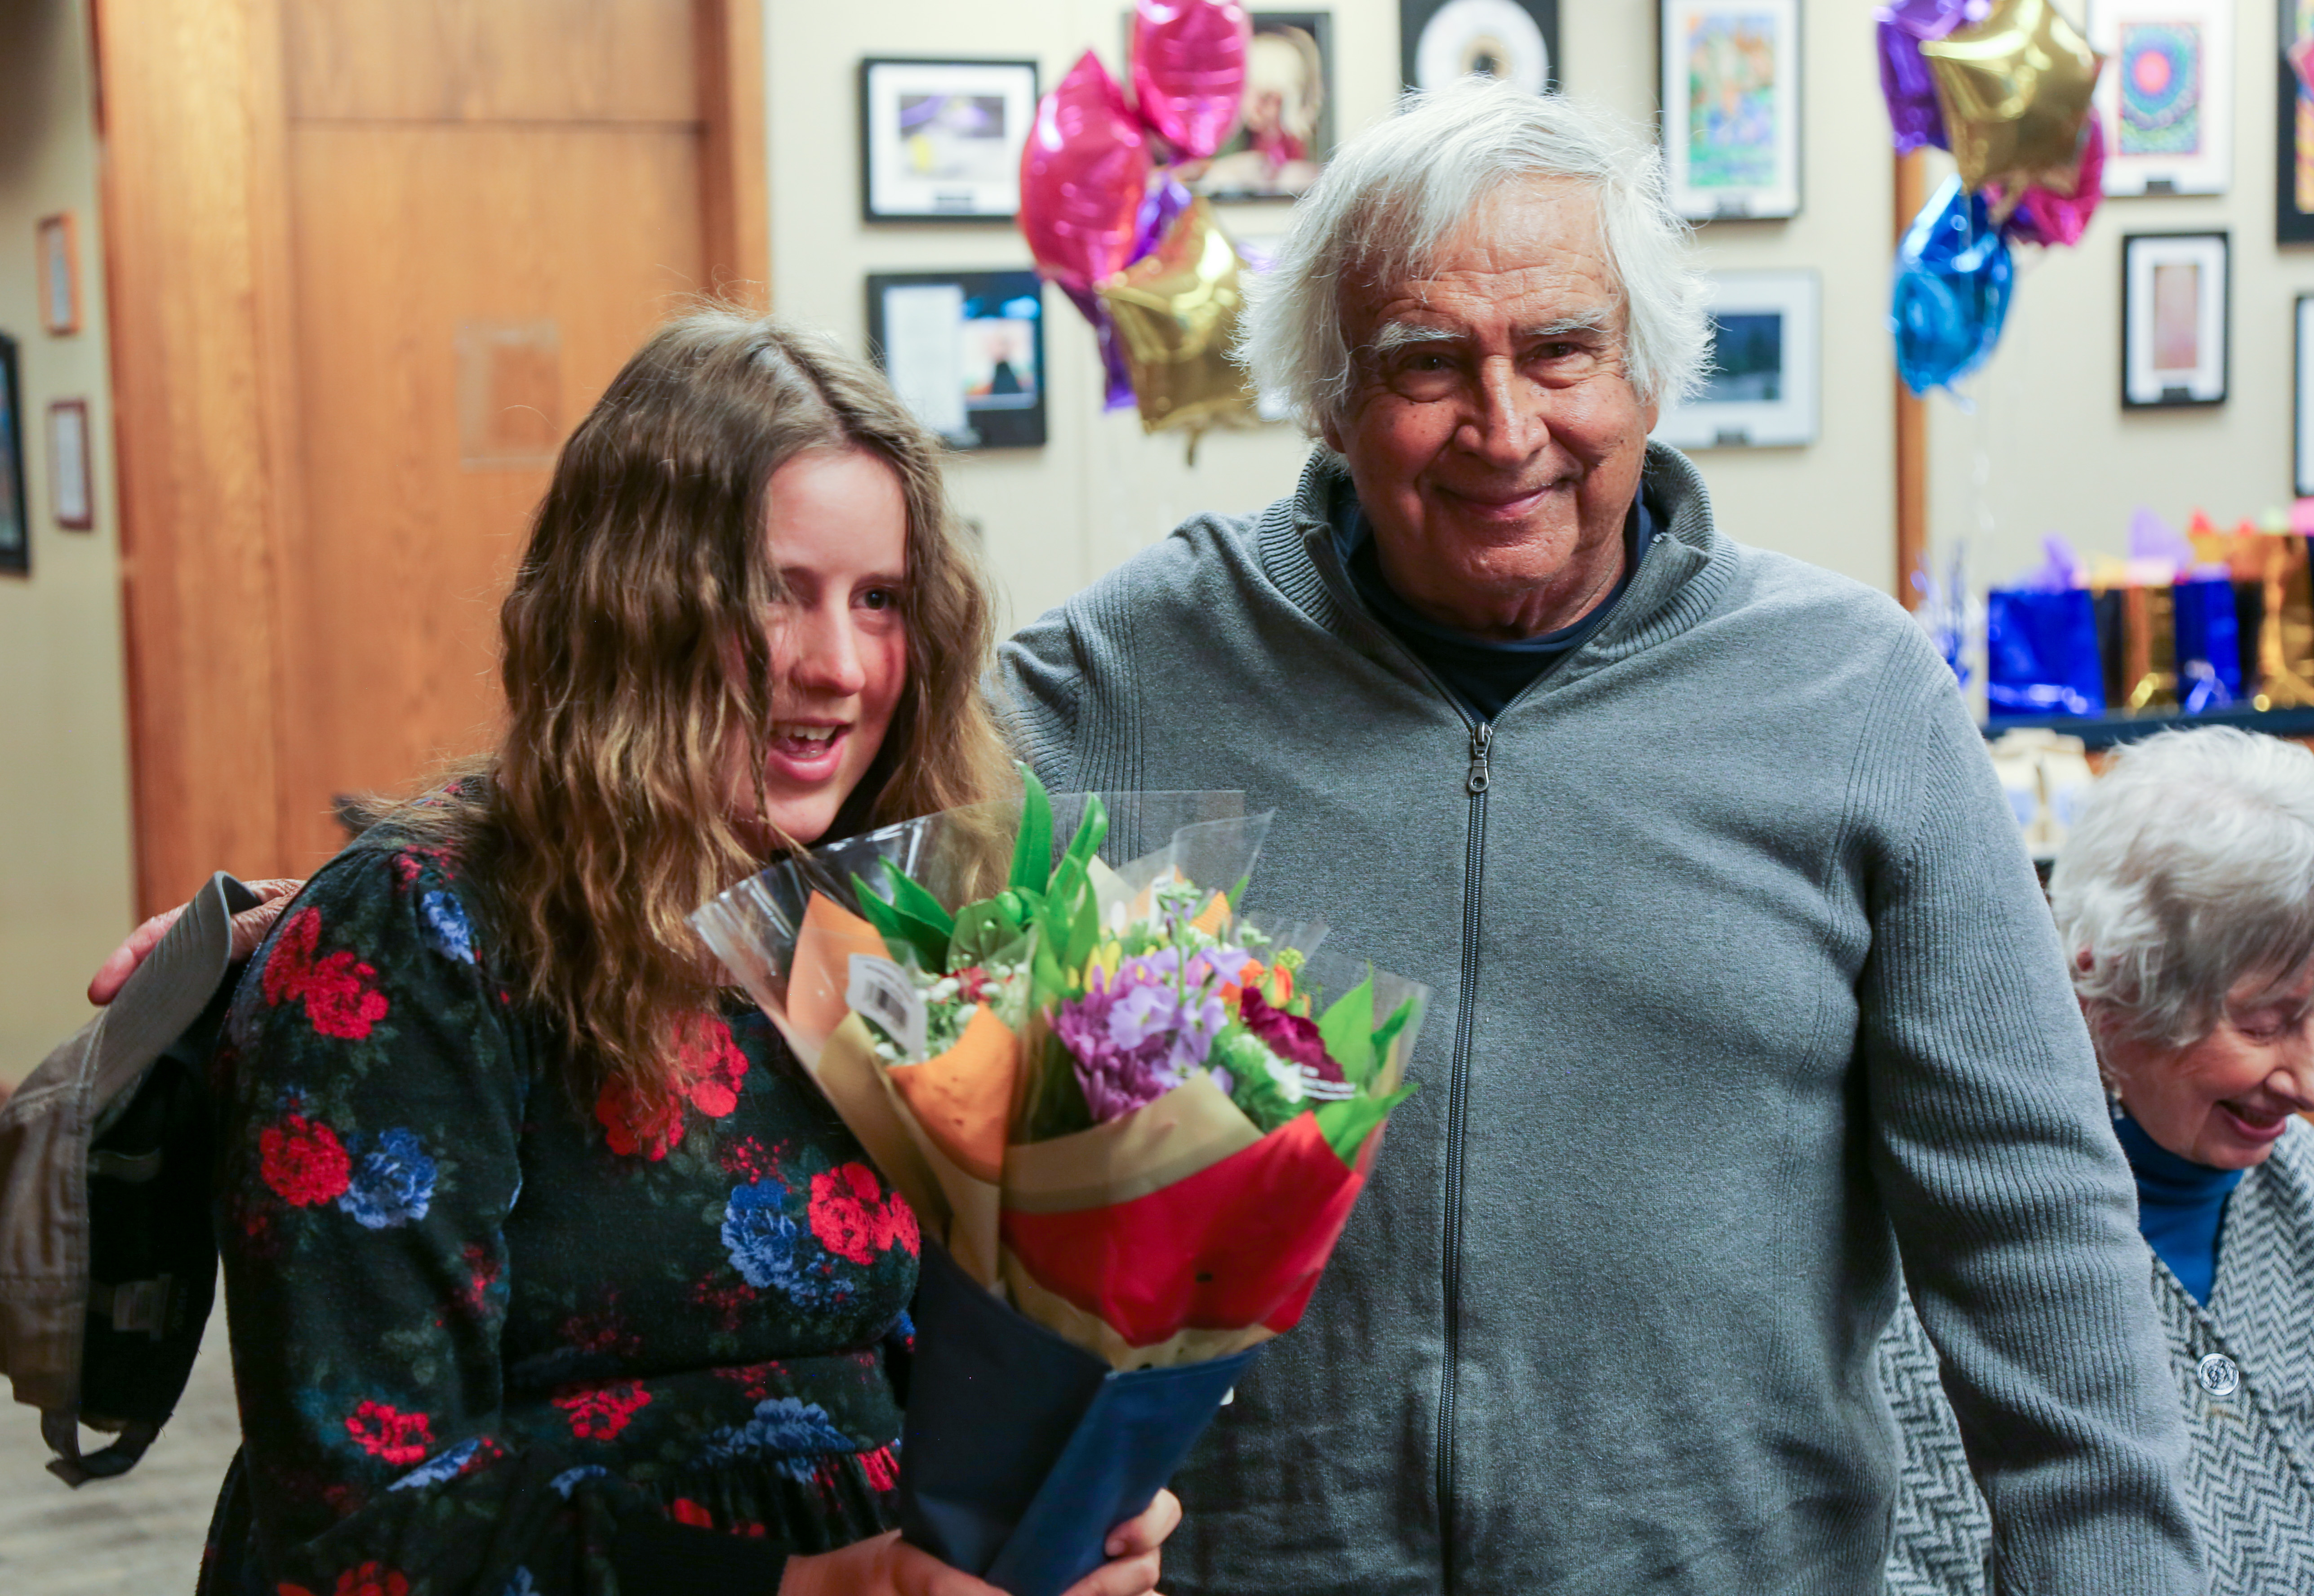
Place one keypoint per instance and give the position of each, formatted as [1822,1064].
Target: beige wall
[2049,447]
[64,890]
[1100,489]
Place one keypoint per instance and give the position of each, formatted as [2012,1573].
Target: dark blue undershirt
[1485,674]
[2181,1207]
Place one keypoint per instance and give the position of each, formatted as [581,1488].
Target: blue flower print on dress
[521,1584]
[449,932]
[393,1183]
[438,1467]
[763,1241]
[787,1433]
[566,1482]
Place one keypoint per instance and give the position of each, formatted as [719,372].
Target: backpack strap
[61,1430]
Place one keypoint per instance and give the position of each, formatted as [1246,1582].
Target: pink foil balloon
[2044,217]
[1188,71]
[1082,174]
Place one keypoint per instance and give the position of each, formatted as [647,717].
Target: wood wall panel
[506,60]
[734,171]
[192,115]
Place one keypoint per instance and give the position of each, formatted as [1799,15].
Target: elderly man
[1743,984]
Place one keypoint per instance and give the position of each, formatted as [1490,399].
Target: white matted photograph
[1760,387]
[69,478]
[939,141]
[2165,97]
[2173,294]
[2302,421]
[1731,106]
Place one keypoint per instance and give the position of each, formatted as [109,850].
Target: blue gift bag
[2209,645]
[2041,653]
[1023,1451]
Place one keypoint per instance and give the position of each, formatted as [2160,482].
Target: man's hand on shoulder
[249,929]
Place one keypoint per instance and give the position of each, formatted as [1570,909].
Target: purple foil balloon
[1911,93]
[1932,18]
[1188,71]
[1118,378]
[1160,208]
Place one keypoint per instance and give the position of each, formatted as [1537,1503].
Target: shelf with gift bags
[1132,1122]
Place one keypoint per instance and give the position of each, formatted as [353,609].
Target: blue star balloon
[1953,281]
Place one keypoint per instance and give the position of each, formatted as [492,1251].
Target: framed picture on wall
[1286,129]
[2165,97]
[59,270]
[69,483]
[1760,387]
[2293,120]
[964,350]
[1443,42]
[2302,417]
[939,141]
[15,523]
[1731,106]
[2174,314]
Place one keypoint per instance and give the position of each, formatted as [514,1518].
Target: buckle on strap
[134,1305]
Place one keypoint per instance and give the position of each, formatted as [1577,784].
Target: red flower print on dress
[303,1161]
[711,1064]
[599,1414]
[372,1579]
[684,1511]
[883,1470]
[336,988]
[855,1218]
[392,1437]
[630,1129]
[746,1160]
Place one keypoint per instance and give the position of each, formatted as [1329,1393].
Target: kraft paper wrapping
[1187,1129]
[830,935]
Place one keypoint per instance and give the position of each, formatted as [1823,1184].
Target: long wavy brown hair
[636,661]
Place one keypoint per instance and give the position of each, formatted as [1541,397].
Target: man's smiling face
[1492,431]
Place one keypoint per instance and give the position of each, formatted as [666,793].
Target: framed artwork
[59,270]
[964,350]
[2166,96]
[1286,130]
[1443,42]
[2174,315]
[69,480]
[1759,389]
[1731,106]
[2293,120]
[2302,418]
[939,141]
[15,523]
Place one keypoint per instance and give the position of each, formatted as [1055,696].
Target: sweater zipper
[1475,782]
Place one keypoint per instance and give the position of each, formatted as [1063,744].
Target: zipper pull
[1481,735]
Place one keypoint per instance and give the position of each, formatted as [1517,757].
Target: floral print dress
[482,1334]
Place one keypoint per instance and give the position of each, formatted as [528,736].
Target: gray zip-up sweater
[1741,980]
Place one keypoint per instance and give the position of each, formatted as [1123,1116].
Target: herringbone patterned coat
[2251,1479]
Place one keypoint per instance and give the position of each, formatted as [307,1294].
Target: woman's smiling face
[2224,1101]
[838,530]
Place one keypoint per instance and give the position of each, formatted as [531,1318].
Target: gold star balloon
[1176,310]
[2015,94]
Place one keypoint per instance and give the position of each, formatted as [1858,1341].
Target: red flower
[600,1414]
[727,1301]
[400,1438]
[746,1160]
[711,1064]
[630,1129]
[482,1273]
[303,1161]
[855,1219]
[338,995]
[603,1332]
[372,1579]
[684,1511]
[883,1471]
[411,862]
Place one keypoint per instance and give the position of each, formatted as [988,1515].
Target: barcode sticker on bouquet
[881,990]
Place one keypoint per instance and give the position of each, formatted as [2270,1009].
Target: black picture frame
[2301,412]
[2142,373]
[888,194]
[1414,18]
[15,508]
[940,386]
[2293,162]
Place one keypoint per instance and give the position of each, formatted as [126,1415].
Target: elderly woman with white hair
[2185,901]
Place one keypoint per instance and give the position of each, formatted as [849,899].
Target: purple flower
[1136,1036]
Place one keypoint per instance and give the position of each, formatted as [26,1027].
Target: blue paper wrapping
[2041,654]
[1022,1451]
[2209,645]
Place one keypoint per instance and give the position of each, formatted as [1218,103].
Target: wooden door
[445,224]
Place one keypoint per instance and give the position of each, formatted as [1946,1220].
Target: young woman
[545,1267]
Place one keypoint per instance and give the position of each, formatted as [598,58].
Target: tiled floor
[139,1535]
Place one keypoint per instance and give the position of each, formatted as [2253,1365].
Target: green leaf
[901,928]
[1032,850]
[1401,1018]
[1346,1124]
[1347,1028]
[915,902]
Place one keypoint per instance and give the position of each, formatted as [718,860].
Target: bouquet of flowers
[1134,1120]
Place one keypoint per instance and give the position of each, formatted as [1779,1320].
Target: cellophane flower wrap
[1136,1115]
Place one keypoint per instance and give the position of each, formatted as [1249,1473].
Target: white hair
[1390,197]
[2190,870]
